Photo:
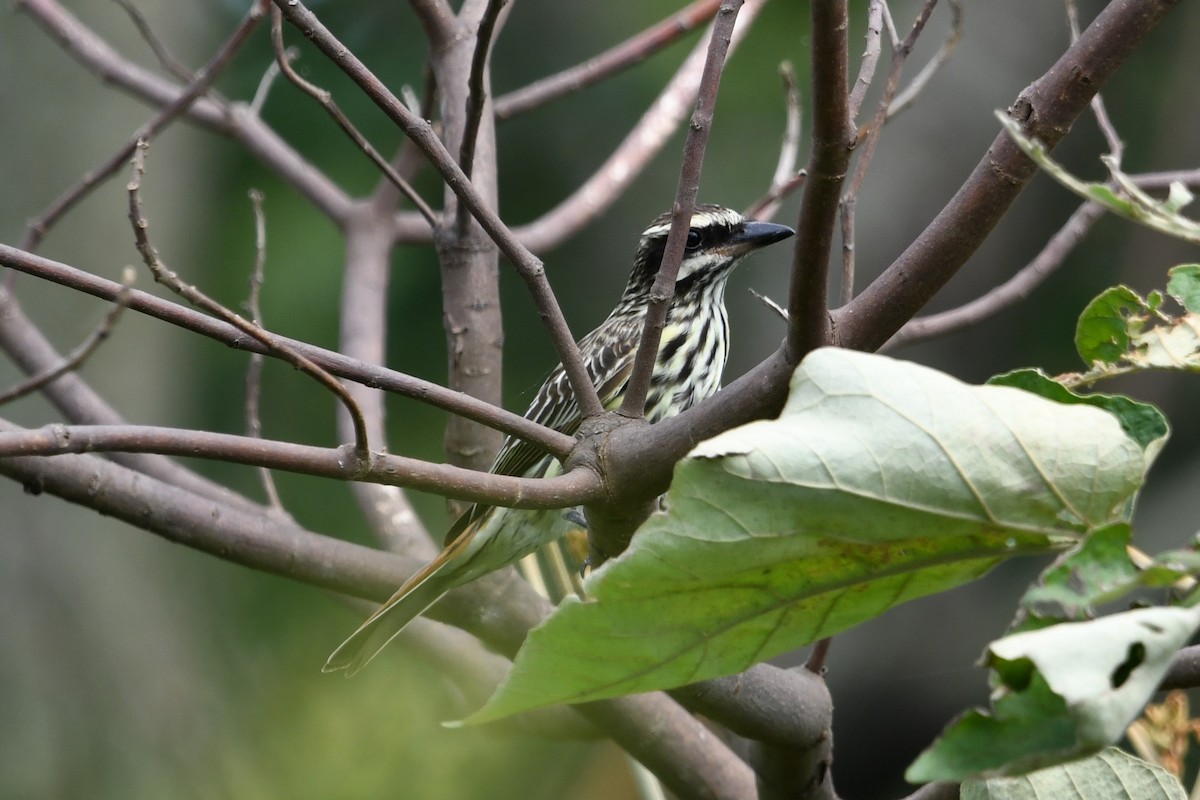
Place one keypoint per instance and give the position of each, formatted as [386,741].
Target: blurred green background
[130,668]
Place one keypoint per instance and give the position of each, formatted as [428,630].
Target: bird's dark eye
[693,240]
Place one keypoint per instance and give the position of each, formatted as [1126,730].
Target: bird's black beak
[755,234]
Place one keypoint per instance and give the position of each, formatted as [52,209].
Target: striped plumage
[691,358]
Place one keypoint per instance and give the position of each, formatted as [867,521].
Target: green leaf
[1142,422]
[1120,333]
[882,481]
[1127,201]
[1108,324]
[1097,571]
[1062,692]
[1111,774]
[1184,286]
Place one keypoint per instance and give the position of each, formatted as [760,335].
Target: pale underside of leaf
[880,483]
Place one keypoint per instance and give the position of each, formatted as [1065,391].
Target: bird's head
[717,239]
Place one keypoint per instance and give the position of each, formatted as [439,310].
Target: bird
[691,358]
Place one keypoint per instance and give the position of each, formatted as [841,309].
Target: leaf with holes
[1121,332]
[1061,693]
[882,481]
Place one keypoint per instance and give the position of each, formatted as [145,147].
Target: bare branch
[267,81]
[785,167]
[235,120]
[633,404]
[194,296]
[421,132]
[908,95]
[766,206]
[408,160]
[30,350]
[1029,277]
[632,51]
[1045,110]
[1009,293]
[40,226]
[889,25]
[832,134]
[785,180]
[164,56]
[325,99]
[636,150]
[477,89]
[1116,147]
[571,488]
[255,366]
[437,18]
[870,57]
[362,321]
[868,135]
[553,442]
[81,353]
[717,773]
[652,728]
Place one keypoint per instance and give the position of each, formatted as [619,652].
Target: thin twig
[421,132]
[553,442]
[437,18]
[633,404]
[1116,147]
[477,91]
[785,167]
[868,135]
[78,403]
[168,61]
[635,151]
[255,367]
[1045,111]
[765,206]
[196,297]
[233,120]
[268,80]
[408,160]
[906,96]
[40,225]
[870,57]
[1029,277]
[783,182]
[325,99]
[889,25]
[632,51]
[75,359]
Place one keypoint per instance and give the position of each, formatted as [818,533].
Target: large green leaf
[882,481]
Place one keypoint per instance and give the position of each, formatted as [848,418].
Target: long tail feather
[417,594]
